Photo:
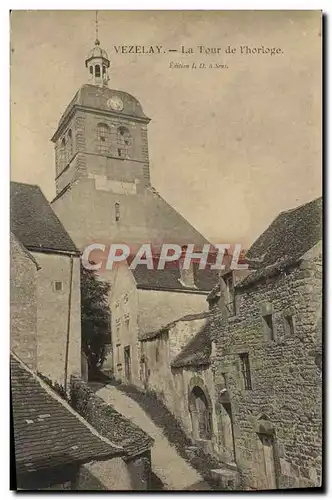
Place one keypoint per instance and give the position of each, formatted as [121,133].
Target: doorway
[227,435]
[268,461]
[127,362]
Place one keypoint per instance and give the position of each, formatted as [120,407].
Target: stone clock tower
[102,177]
[104,193]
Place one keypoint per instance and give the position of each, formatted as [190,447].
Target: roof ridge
[26,184]
[289,210]
[64,403]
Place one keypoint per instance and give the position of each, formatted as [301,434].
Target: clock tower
[102,171]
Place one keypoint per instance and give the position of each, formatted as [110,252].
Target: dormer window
[229,293]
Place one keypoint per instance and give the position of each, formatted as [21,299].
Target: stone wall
[285,396]
[23,304]
[173,385]
[53,314]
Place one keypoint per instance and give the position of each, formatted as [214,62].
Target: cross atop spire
[97,42]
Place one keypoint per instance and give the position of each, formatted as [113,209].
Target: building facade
[45,288]
[267,358]
[142,302]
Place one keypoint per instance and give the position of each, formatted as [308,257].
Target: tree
[96,318]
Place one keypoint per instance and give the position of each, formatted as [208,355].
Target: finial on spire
[97,42]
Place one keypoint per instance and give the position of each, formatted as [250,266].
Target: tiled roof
[46,432]
[188,317]
[111,424]
[289,236]
[198,350]
[169,279]
[34,222]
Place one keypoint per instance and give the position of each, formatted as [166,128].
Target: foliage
[95,317]
[58,388]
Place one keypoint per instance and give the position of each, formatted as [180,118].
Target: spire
[97,62]
[97,42]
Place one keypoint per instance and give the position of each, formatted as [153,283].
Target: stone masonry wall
[23,305]
[286,382]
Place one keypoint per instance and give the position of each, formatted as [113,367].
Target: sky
[229,148]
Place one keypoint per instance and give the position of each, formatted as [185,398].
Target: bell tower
[102,135]
[97,63]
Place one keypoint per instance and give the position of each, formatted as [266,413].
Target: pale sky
[229,148]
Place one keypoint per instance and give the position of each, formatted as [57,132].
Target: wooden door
[268,461]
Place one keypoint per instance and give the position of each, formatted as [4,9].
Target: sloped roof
[188,317]
[169,279]
[46,432]
[34,222]
[290,235]
[14,240]
[116,427]
[198,350]
[95,97]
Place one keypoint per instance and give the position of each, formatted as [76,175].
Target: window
[58,286]
[229,294]
[268,326]
[103,137]
[289,325]
[104,70]
[124,141]
[126,324]
[117,212]
[91,70]
[70,145]
[245,370]
[62,156]
[97,71]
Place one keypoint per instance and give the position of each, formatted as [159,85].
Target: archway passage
[200,414]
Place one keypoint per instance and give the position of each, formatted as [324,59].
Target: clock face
[115,103]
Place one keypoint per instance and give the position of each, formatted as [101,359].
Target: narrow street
[174,472]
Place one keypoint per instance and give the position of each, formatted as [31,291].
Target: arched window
[124,141]
[91,70]
[103,137]
[200,414]
[97,71]
[70,145]
[63,153]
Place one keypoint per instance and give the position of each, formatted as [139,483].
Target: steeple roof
[96,51]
